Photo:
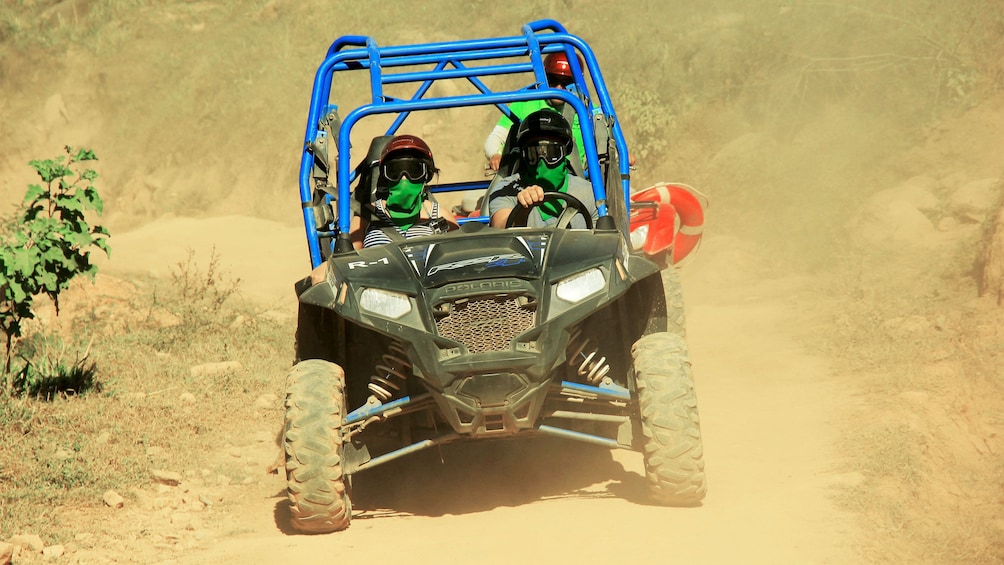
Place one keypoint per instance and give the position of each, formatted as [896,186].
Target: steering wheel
[573,207]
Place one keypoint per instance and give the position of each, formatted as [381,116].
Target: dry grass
[827,90]
[922,356]
[153,410]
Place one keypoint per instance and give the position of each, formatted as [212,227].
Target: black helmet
[544,124]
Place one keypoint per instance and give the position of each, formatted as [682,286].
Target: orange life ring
[672,202]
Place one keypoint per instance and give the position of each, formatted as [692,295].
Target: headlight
[581,286]
[385,303]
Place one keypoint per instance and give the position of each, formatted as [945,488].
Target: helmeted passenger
[403,209]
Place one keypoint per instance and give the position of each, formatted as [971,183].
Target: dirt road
[769,414]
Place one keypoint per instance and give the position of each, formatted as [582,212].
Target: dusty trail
[767,409]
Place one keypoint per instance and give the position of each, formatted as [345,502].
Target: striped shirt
[376,236]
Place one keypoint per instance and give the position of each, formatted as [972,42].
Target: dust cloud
[788,115]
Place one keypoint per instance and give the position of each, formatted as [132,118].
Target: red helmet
[407,143]
[557,65]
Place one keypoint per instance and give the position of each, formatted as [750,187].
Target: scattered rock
[977,197]
[113,499]
[169,478]
[103,438]
[28,541]
[215,369]
[187,397]
[160,318]
[53,552]
[917,191]
[154,451]
[6,553]
[892,222]
[265,401]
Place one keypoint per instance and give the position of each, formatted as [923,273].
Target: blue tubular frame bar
[618,393]
[366,411]
[583,437]
[361,53]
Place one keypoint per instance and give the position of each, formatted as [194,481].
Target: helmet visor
[417,170]
[551,152]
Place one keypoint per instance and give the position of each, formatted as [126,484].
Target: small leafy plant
[48,242]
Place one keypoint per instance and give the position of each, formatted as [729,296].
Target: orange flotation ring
[667,215]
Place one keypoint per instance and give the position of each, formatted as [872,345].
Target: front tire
[315,404]
[667,403]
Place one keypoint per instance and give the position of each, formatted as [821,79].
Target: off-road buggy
[484,333]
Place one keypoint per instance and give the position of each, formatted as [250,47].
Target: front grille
[486,323]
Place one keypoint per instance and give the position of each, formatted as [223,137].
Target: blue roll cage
[519,55]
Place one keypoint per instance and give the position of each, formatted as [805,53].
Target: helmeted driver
[544,139]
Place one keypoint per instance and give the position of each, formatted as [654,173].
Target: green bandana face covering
[404,203]
[552,178]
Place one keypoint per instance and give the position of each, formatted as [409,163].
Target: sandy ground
[774,416]
[768,409]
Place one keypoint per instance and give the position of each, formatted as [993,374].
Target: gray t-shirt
[503,196]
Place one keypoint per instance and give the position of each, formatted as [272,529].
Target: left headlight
[580,286]
[385,303]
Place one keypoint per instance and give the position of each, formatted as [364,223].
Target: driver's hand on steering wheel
[530,195]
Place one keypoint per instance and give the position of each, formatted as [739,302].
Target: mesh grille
[486,323]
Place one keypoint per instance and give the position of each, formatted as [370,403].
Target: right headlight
[580,286]
[385,303]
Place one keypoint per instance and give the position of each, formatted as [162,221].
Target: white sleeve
[495,141]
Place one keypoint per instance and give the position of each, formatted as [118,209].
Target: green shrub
[49,245]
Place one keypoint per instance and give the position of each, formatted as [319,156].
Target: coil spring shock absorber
[391,373]
[593,369]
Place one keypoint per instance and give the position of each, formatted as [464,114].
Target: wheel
[315,405]
[667,404]
[676,319]
[574,207]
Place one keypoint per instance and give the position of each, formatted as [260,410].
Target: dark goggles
[417,170]
[559,81]
[551,152]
